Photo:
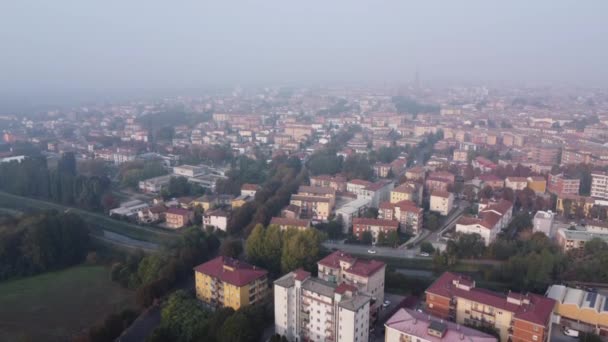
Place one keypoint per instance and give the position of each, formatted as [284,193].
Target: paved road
[380,251]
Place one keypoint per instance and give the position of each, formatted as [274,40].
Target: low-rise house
[152,214]
[441,202]
[178,217]
[537,184]
[290,223]
[491,180]
[493,217]
[415,173]
[240,201]
[543,222]
[129,209]
[249,189]
[217,219]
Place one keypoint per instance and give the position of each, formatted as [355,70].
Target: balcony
[492,314]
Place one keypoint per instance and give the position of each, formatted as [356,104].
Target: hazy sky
[147,44]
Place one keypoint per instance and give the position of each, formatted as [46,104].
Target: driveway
[558,336]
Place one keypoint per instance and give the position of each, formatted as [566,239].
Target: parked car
[423,254]
[371,251]
[386,303]
[570,332]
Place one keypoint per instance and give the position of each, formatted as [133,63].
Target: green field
[55,305]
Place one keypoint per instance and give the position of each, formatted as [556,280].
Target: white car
[371,251]
[386,303]
[423,254]
[570,332]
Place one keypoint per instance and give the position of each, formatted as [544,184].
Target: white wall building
[599,185]
[188,171]
[351,210]
[543,222]
[217,219]
[311,309]
[442,202]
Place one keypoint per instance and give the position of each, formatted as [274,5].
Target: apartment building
[441,202]
[537,184]
[415,173]
[377,192]
[366,275]
[575,240]
[227,282]
[217,219]
[317,208]
[337,183]
[407,213]
[188,171]
[413,326]
[599,185]
[492,218]
[374,226]
[312,309]
[408,191]
[561,184]
[178,217]
[319,191]
[351,210]
[439,181]
[573,203]
[580,310]
[516,316]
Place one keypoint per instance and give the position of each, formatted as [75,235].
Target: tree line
[281,252]
[33,178]
[41,242]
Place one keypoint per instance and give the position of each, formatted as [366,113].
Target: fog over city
[105,46]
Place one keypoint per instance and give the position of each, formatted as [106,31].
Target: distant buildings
[178,217]
[599,185]
[562,185]
[515,316]
[290,223]
[226,282]
[493,217]
[374,227]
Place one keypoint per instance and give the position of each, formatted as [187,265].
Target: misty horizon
[145,47]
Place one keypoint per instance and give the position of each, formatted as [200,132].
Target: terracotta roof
[438,193]
[231,271]
[316,190]
[178,211]
[406,205]
[359,182]
[375,222]
[538,311]
[517,179]
[284,221]
[377,185]
[250,187]
[490,178]
[301,274]
[310,198]
[363,268]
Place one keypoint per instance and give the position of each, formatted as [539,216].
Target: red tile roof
[438,193]
[178,211]
[364,268]
[250,187]
[538,311]
[284,221]
[231,271]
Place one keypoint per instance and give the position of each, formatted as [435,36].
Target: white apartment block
[599,185]
[441,202]
[543,222]
[311,309]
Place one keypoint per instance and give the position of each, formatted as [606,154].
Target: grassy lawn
[54,305]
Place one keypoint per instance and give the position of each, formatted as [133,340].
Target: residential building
[413,326]
[240,201]
[439,181]
[289,223]
[357,186]
[599,185]
[484,164]
[312,207]
[152,214]
[319,191]
[408,191]
[337,183]
[491,180]
[543,222]
[570,204]
[415,173]
[217,219]
[537,184]
[561,184]
[407,213]
[154,185]
[178,217]
[249,189]
[374,226]
[515,316]
[492,218]
[312,309]
[227,282]
[188,171]
[350,210]
[575,240]
[366,275]
[516,183]
[377,192]
[580,310]
[441,202]
[460,156]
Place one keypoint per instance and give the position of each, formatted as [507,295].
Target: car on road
[371,251]
[570,332]
[423,254]
[386,303]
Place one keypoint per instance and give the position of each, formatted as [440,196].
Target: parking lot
[558,336]
[378,334]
